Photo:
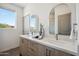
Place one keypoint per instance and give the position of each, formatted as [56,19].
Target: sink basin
[36,37]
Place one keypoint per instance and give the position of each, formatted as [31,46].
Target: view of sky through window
[7,17]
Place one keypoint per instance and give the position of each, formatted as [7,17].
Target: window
[7,18]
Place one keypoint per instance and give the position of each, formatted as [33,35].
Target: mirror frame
[53,9]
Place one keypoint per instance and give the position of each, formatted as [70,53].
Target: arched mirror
[60,20]
[34,23]
[31,24]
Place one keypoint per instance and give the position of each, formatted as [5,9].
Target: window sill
[7,28]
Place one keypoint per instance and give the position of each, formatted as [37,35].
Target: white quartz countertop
[50,41]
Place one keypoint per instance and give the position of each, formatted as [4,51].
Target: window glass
[7,18]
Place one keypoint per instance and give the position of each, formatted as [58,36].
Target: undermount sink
[36,37]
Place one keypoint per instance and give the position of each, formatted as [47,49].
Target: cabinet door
[50,52]
[22,47]
[29,48]
[36,49]
[55,52]
[61,53]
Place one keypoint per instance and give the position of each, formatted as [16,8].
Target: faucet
[56,36]
[41,33]
[75,31]
[32,33]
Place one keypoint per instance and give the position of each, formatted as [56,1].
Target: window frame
[15,18]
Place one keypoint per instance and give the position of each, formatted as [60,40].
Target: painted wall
[43,10]
[9,38]
[77,15]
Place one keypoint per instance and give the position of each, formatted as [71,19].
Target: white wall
[77,18]
[43,10]
[77,15]
[9,38]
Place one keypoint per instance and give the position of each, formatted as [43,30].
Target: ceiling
[20,4]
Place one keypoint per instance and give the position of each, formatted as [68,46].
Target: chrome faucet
[75,30]
[41,33]
[56,36]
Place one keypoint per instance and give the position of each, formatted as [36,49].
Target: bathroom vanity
[47,46]
[61,39]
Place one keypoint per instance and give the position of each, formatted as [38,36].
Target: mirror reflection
[34,23]
[31,24]
[60,20]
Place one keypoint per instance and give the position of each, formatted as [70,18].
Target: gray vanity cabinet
[50,52]
[23,47]
[30,48]
[61,53]
[55,52]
